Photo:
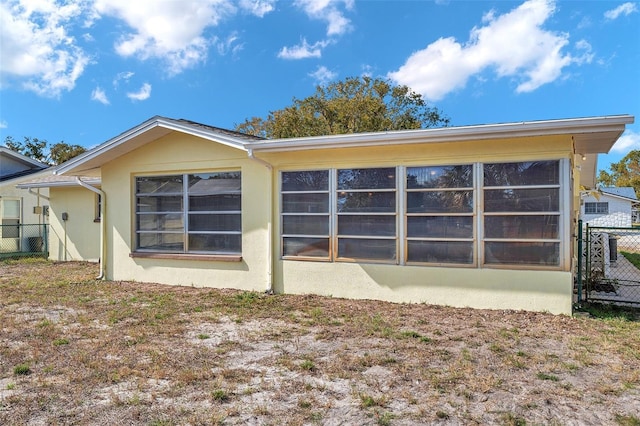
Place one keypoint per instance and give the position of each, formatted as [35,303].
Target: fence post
[580,261]
[46,240]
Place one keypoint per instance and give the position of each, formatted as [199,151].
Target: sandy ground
[140,353]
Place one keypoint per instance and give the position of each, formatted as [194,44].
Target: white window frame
[186,211]
[4,216]
[597,207]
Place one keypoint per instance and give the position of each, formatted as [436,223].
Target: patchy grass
[73,349]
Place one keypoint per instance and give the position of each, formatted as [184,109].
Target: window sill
[186,256]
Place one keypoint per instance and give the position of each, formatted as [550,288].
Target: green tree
[355,105]
[41,150]
[625,172]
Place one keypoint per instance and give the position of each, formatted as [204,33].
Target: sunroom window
[440,214]
[522,213]
[305,214]
[483,215]
[189,213]
[366,214]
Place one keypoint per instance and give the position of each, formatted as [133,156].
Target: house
[479,216]
[609,206]
[74,217]
[22,213]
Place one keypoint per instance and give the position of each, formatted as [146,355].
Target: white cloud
[303,50]
[629,141]
[323,75]
[3,124]
[367,70]
[329,11]
[624,9]
[229,45]
[142,94]
[122,76]
[172,31]
[99,95]
[514,45]
[258,8]
[36,47]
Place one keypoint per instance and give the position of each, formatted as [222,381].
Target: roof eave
[577,126]
[28,185]
[96,157]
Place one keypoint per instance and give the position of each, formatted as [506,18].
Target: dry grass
[77,351]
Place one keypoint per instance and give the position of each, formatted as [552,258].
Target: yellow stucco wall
[77,238]
[541,290]
[536,290]
[179,153]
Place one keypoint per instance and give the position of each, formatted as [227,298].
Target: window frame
[441,239]
[477,215]
[186,252]
[561,213]
[326,213]
[337,214]
[14,233]
[97,208]
[596,205]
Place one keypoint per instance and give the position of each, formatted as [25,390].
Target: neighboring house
[609,206]
[479,216]
[22,212]
[74,216]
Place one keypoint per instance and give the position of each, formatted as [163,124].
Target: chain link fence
[18,240]
[612,265]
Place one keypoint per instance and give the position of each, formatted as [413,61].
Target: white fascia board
[77,162]
[202,133]
[70,183]
[22,158]
[450,134]
[620,197]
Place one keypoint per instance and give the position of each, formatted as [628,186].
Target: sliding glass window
[440,214]
[189,213]
[521,214]
[366,202]
[305,214]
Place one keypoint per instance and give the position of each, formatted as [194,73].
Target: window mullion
[479,211]
[401,222]
[333,211]
[185,210]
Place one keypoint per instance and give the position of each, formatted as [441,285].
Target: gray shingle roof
[625,191]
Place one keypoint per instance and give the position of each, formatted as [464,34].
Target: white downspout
[103,224]
[269,289]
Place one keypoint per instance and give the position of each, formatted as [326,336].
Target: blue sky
[83,71]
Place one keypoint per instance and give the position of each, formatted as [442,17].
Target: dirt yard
[78,351]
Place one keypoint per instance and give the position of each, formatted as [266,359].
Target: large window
[522,213]
[305,214]
[360,212]
[190,213]
[366,214]
[468,214]
[440,214]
